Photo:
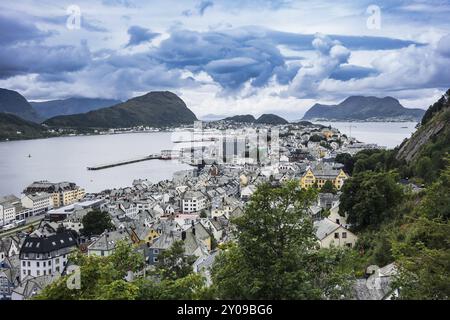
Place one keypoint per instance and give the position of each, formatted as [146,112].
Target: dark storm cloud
[14,29]
[34,58]
[234,57]
[139,35]
[347,72]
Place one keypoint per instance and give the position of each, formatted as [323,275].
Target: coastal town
[43,226]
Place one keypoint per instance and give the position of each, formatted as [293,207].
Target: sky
[228,57]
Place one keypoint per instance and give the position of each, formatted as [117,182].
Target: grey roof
[108,240]
[50,186]
[376,288]
[48,244]
[193,194]
[324,227]
[31,286]
[166,239]
[38,196]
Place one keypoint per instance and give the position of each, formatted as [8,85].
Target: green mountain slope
[156,109]
[271,119]
[247,118]
[14,128]
[14,103]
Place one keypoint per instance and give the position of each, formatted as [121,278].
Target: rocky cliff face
[436,128]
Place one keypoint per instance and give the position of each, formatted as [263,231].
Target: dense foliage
[370,198]
[276,255]
[95,223]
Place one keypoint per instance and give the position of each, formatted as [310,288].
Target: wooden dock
[125,162]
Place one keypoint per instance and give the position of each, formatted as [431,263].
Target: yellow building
[66,197]
[320,175]
[63,193]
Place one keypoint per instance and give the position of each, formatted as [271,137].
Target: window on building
[344,235]
[37,264]
[23,263]
[348,245]
[29,263]
[336,235]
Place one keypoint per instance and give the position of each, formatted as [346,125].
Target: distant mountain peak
[14,103]
[361,108]
[155,109]
[72,105]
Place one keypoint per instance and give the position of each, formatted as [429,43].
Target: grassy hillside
[156,109]
[14,128]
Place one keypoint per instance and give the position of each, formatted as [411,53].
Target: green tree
[173,263]
[422,167]
[119,290]
[347,160]
[95,223]
[370,198]
[101,277]
[276,255]
[328,187]
[422,247]
[190,287]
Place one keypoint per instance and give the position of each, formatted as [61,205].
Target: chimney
[183,235]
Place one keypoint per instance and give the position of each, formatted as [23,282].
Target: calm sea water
[66,159]
[387,134]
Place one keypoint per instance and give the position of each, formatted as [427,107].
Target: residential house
[193,201]
[105,245]
[378,284]
[331,234]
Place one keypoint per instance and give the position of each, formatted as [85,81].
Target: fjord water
[67,159]
[386,134]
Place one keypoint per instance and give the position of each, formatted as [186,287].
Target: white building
[8,209]
[37,203]
[40,256]
[194,201]
[331,234]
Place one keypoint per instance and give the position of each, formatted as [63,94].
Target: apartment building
[63,193]
[40,256]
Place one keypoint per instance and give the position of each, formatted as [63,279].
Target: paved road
[32,221]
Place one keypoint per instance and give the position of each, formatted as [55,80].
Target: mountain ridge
[74,105]
[361,108]
[14,103]
[155,109]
